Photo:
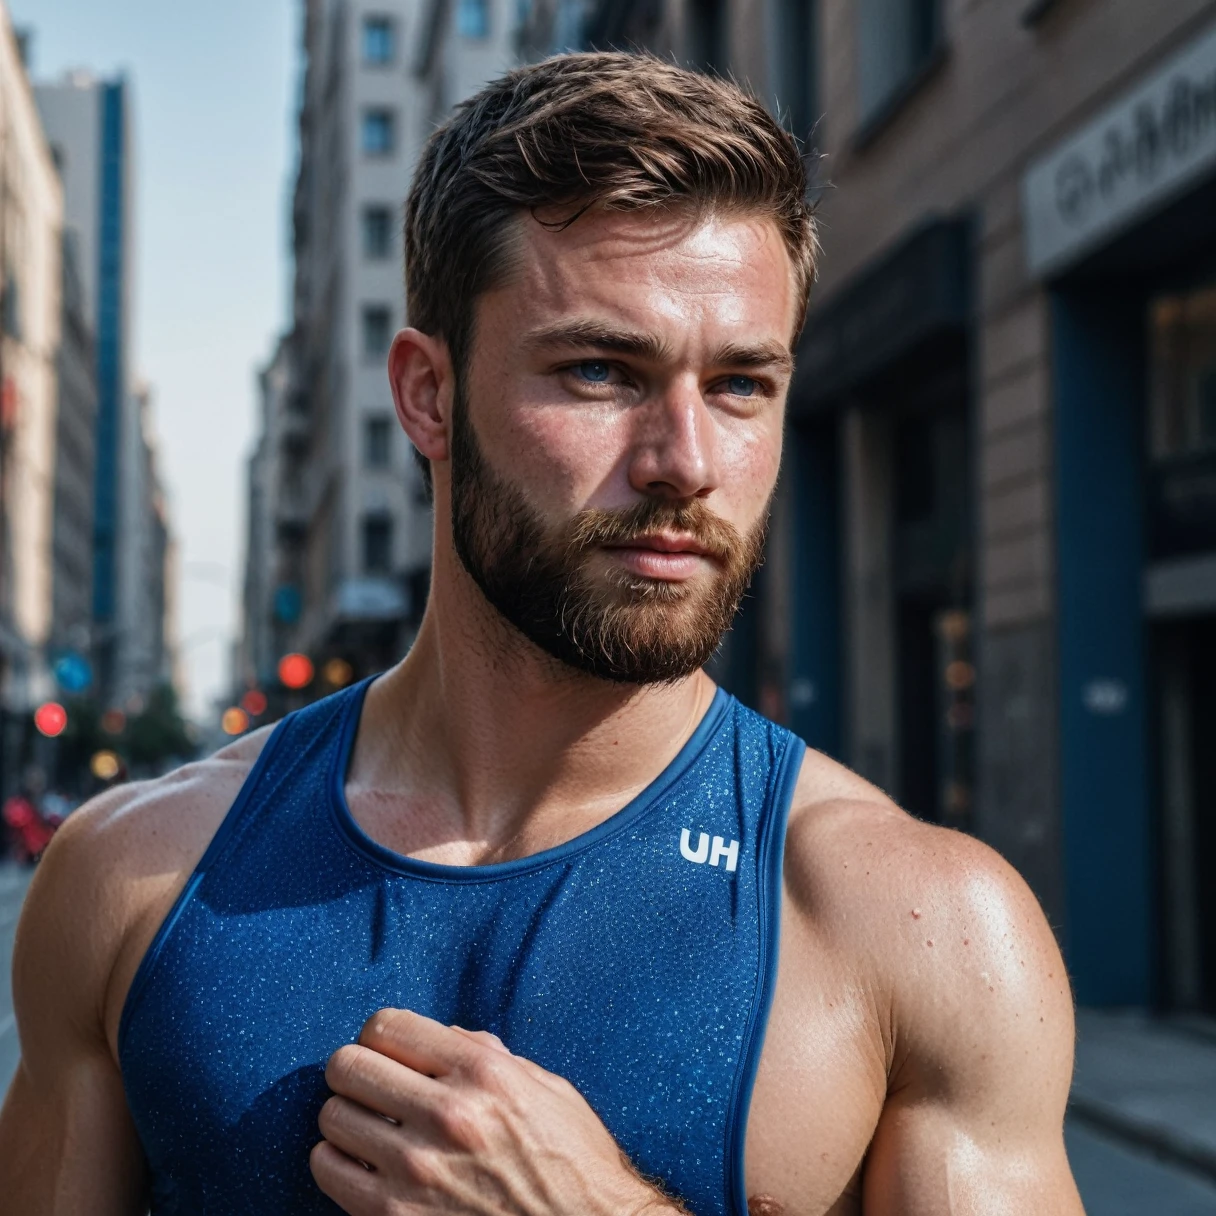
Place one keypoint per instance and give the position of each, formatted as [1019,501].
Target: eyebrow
[598,336]
[758,356]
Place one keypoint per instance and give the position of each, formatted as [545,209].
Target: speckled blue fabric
[633,960]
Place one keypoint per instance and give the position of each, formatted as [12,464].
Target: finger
[358,1132]
[418,1042]
[485,1037]
[380,1084]
[352,1186]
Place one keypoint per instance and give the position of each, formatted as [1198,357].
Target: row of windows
[380,31]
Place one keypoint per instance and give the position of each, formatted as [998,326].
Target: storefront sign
[1141,152]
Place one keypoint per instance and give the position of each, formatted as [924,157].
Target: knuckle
[420,1168]
[462,1123]
[489,1068]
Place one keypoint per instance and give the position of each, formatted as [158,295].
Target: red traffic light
[295,670]
[51,719]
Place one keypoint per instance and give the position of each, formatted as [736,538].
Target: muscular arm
[982,1045]
[66,1140]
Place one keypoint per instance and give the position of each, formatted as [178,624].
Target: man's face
[617,434]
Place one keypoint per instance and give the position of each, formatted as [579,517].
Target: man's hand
[428,1118]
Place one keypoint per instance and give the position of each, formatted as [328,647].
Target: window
[377,544]
[896,40]
[377,330]
[707,34]
[1182,384]
[473,18]
[377,442]
[378,132]
[377,232]
[795,65]
[378,40]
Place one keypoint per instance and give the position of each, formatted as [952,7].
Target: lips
[663,543]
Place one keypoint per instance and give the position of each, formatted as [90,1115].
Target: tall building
[31,218]
[351,517]
[88,121]
[75,457]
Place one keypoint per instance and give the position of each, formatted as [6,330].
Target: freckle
[916,914]
[929,942]
[966,941]
[991,988]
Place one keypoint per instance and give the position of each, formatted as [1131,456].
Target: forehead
[668,268]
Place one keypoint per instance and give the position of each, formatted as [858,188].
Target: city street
[1115,1177]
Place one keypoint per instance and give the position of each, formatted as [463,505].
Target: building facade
[75,457]
[339,523]
[350,508]
[31,221]
[89,122]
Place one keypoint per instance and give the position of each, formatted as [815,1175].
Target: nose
[673,452]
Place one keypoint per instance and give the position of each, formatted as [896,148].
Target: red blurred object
[51,719]
[295,670]
[254,702]
[31,833]
[10,400]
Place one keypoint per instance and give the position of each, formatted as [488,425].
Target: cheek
[749,459]
[568,454]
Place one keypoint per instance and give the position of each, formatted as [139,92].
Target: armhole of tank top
[770,858]
[220,843]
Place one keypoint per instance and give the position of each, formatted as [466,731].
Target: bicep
[926,1160]
[70,1147]
[974,1120]
[67,1143]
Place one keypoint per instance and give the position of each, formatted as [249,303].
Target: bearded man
[541,922]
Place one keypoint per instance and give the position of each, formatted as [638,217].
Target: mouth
[665,556]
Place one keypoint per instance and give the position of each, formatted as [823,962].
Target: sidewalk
[1150,1083]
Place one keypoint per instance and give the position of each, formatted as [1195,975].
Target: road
[1115,1178]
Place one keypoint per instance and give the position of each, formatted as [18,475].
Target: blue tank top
[636,960]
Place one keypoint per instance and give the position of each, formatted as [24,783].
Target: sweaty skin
[919,1051]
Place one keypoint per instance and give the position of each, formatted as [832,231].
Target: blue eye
[594,371]
[742,386]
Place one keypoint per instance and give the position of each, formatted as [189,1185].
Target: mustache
[596,526]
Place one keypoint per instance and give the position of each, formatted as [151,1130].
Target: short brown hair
[610,129]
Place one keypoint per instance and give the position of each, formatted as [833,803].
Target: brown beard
[626,628]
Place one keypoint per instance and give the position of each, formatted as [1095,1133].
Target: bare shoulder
[941,930]
[110,877]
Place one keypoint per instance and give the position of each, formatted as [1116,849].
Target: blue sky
[214,86]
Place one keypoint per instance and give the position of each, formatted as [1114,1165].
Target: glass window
[377,442]
[377,330]
[473,18]
[377,232]
[707,34]
[378,132]
[896,38]
[378,40]
[1182,393]
[795,65]
[377,544]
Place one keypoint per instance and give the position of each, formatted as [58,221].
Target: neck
[497,747]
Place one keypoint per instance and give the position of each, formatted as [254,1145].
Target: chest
[820,1087]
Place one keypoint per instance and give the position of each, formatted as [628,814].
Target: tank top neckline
[431,871]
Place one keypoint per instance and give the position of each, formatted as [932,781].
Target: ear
[420,372]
